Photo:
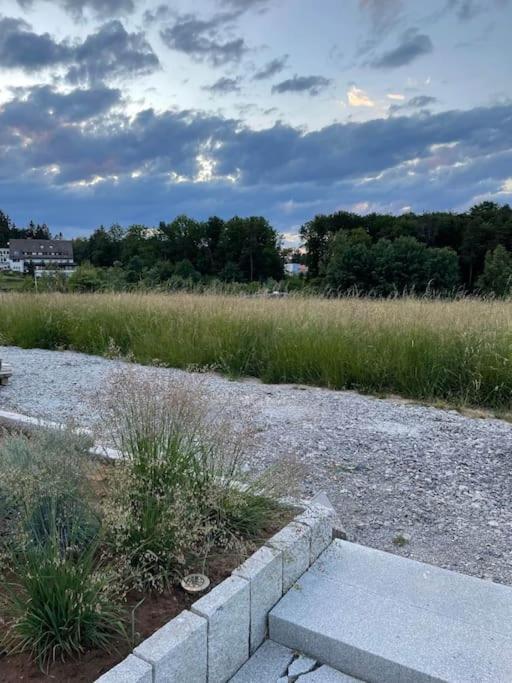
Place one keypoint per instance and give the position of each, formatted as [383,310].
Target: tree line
[377,254]
[383,254]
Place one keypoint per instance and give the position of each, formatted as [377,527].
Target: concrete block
[227,608]
[264,571]
[327,675]
[268,664]
[321,521]
[130,670]
[294,542]
[178,650]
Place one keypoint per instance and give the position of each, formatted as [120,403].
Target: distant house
[43,256]
[295,269]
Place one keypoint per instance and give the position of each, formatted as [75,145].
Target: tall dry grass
[458,351]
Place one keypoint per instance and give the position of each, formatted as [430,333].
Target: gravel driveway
[421,482]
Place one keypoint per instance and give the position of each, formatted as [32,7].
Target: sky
[136,111]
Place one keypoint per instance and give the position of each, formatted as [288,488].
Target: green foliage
[386,267]
[469,235]
[86,278]
[454,350]
[60,605]
[241,249]
[497,276]
[44,489]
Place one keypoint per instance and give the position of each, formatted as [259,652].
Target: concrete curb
[24,423]
[231,621]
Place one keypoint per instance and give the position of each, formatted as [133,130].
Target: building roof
[27,249]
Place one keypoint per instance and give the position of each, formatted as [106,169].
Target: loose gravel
[421,482]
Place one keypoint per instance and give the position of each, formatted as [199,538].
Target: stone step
[386,619]
[274,663]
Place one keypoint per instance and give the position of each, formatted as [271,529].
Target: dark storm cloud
[202,39]
[275,66]
[223,86]
[104,8]
[412,45]
[312,85]
[108,53]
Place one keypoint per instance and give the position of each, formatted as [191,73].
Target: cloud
[109,53]
[77,159]
[21,48]
[202,39]
[420,101]
[169,142]
[417,102]
[398,97]
[34,108]
[312,85]
[383,13]
[112,51]
[103,8]
[358,97]
[223,86]
[271,68]
[412,45]
[245,5]
[466,10]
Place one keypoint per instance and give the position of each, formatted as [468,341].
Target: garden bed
[92,552]
[154,612]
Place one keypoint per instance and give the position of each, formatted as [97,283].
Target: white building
[45,257]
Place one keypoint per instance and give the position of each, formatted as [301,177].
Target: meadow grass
[458,351]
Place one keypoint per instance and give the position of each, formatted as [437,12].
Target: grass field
[454,351]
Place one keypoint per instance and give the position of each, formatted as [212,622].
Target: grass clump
[60,604]
[180,494]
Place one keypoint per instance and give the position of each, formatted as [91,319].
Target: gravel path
[433,480]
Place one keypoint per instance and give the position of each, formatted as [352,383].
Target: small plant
[60,605]
[400,540]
